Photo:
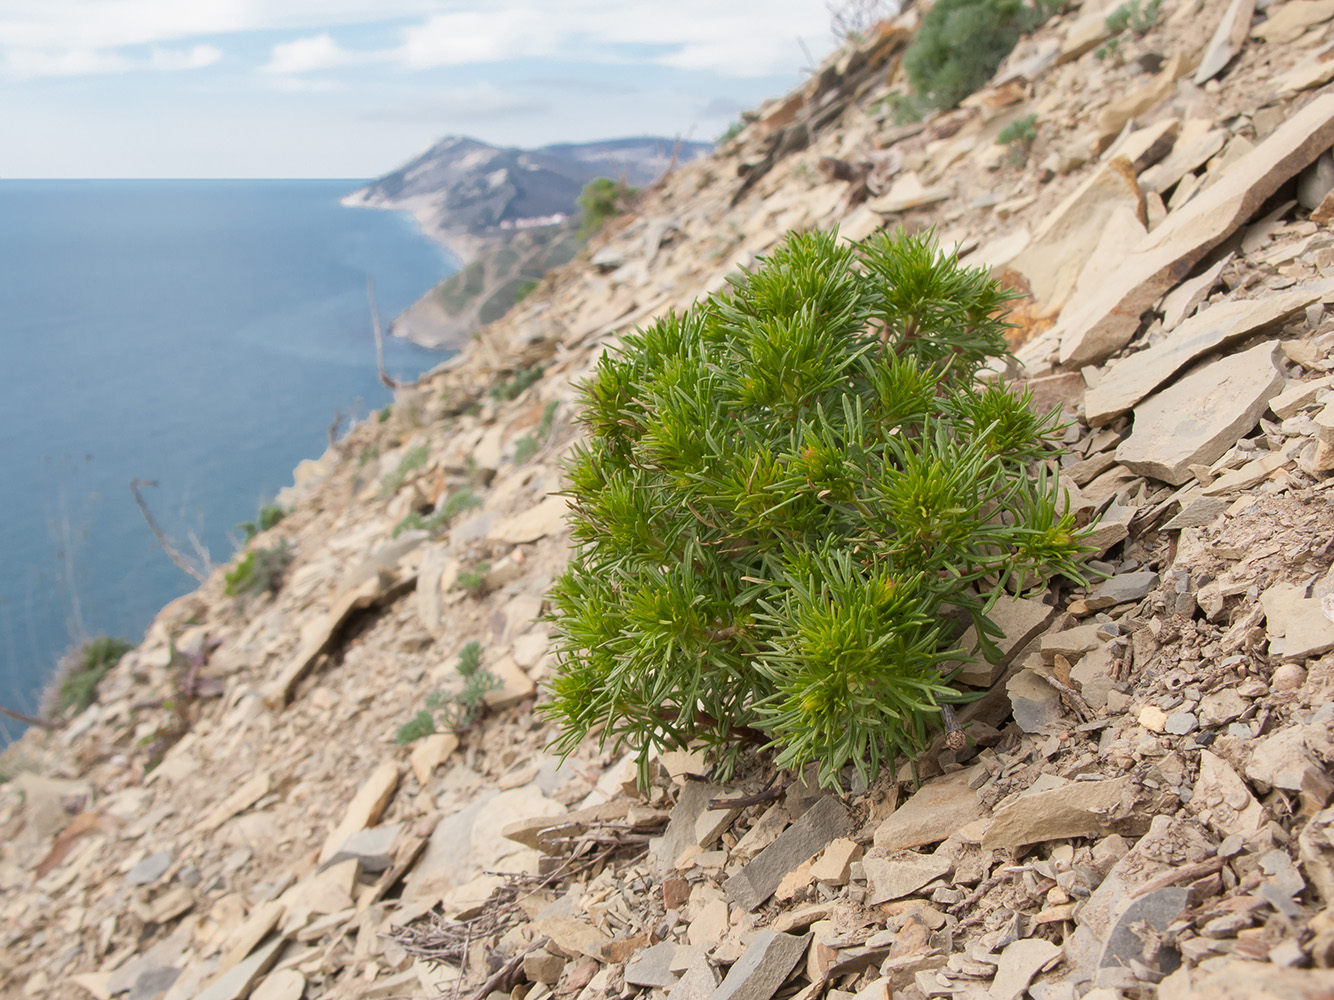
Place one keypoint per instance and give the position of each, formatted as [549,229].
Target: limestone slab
[1106,322]
[1019,963]
[1200,417]
[1135,377]
[1079,809]
[1066,239]
[1227,40]
[807,837]
[364,809]
[904,873]
[547,518]
[935,811]
[1019,620]
[762,968]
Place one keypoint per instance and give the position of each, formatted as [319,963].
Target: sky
[353,88]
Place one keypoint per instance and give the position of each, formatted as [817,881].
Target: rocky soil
[1143,808]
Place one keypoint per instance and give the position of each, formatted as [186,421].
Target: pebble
[1289,677]
[1153,718]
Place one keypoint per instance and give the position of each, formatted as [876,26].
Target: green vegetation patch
[792,500]
[457,712]
[962,43]
[601,199]
[92,662]
[258,571]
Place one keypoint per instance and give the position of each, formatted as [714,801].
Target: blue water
[199,333]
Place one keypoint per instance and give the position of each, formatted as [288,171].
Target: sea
[199,334]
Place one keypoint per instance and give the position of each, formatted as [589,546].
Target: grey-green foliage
[461,500]
[961,43]
[259,571]
[82,674]
[411,461]
[456,712]
[784,495]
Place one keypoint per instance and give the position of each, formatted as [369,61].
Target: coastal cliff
[507,215]
[1142,807]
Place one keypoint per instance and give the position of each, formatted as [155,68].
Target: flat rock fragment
[762,968]
[904,873]
[365,807]
[1135,377]
[1128,940]
[818,825]
[1227,40]
[1105,323]
[1200,417]
[1019,620]
[1019,963]
[1078,809]
[935,811]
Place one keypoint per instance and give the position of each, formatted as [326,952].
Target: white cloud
[741,38]
[32,63]
[738,38]
[308,55]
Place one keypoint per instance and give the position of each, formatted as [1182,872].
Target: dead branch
[27,720]
[387,380]
[173,553]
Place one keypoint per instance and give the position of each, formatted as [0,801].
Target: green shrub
[529,445]
[269,515]
[730,133]
[601,199]
[522,290]
[1019,135]
[383,415]
[258,571]
[411,461]
[463,500]
[474,580]
[78,685]
[1131,17]
[369,453]
[961,43]
[454,713]
[514,387]
[1134,18]
[792,499]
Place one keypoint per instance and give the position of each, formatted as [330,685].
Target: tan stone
[1196,420]
[243,798]
[1227,40]
[1287,22]
[1139,375]
[430,753]
[1078,809]
[547,518]
[1105,323]
[324,892]
[1068,237]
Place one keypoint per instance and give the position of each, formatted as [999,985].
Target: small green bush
[383,415]
[1019,135]
[474,580]
[454,713]
[78,686]
[514,387]
[961,43]
[788,497]
[459,502]
[1129,17]
[369,453]
[269,515]
[601,199]
[411,461]
[522,290]
[258,571]
[730,133]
